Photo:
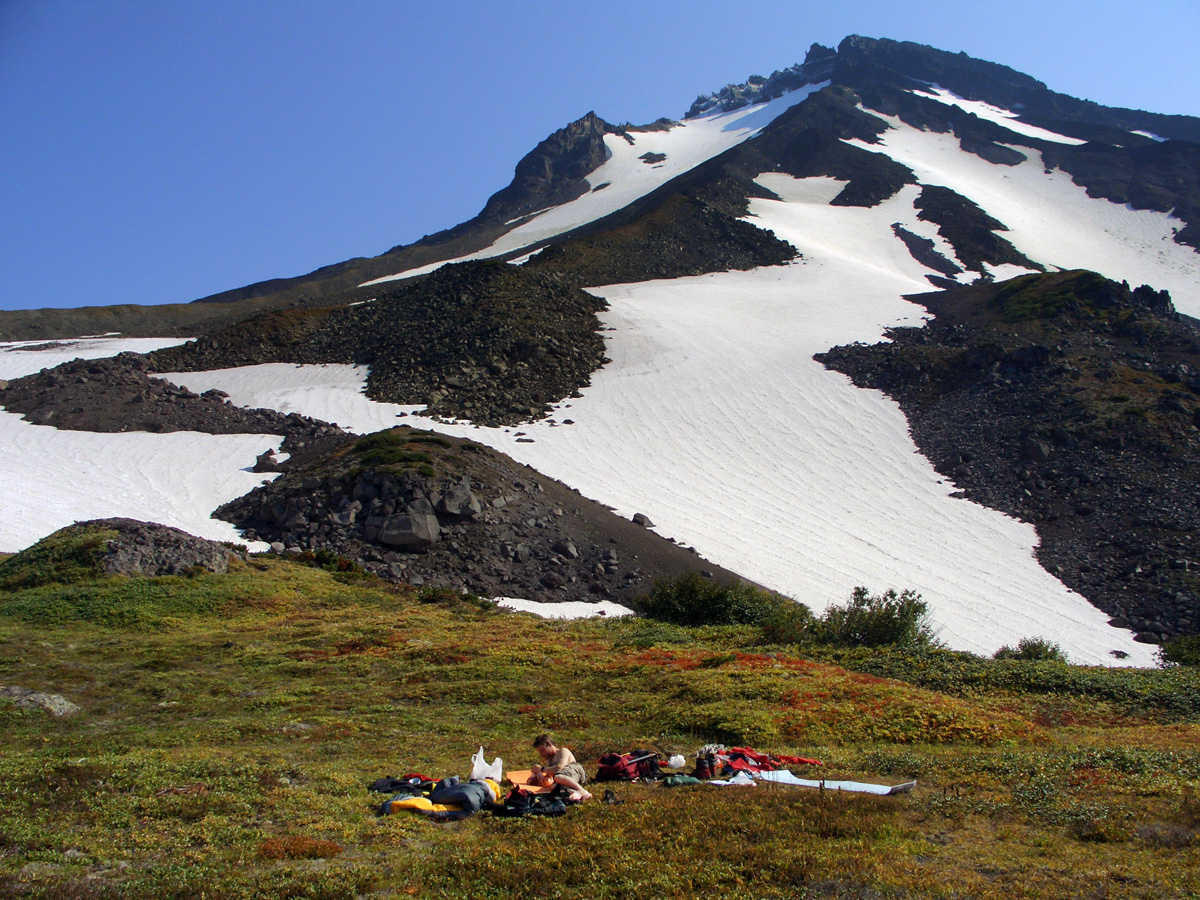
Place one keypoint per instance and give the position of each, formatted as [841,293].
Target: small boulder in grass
[26,698]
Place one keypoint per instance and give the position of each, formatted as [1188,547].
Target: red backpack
[628,766]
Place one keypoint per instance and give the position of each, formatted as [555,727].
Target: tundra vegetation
[231,723]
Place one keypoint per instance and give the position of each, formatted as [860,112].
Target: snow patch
[1003,117]
[332,392]
[18,358]
[54,478]
[572,609]
[1051,219]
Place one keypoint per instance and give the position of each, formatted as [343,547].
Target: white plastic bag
[676,762]
[481,770]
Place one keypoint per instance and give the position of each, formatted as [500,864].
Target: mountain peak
[554,171]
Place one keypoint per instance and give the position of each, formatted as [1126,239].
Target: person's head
[544,745]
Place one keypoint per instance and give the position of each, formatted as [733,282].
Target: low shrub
[1174,692]
[887,619]
[452,599]
[729,721]
[1181,651]
[1032,648]
[68,556]
[298,847]
[884,620]
[692,599]
[392,448]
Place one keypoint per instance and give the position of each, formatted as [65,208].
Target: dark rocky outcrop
[1071,402]
[554,172]
[923,251]
[483,341]
[148,550]
[817,67]
[684,236]
[969,230]
[415,506]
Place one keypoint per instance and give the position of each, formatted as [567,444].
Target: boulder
[409,531]
[1036,450]
[460,501]
[643,520]
[149,550]
[266,462]
[419,506]
[25,698]
[566,547]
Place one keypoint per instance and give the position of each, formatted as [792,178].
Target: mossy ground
[227,738]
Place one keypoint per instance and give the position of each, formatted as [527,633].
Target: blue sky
[157,152]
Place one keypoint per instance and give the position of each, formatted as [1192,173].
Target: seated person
[558,767]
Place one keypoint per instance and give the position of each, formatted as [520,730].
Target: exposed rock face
[26,698]
[969,230]
[148,550]
[418,507]
[685,235]
[1070,402]
[554,172]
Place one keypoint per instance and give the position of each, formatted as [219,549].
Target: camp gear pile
[452,798]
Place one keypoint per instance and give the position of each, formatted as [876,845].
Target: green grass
[67,556]
[390,448]
[226,740]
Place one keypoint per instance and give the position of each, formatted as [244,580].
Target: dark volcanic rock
[483,341]
[147,549]
[924,251]
[683,236]
[1070,402]
[554,172]
[970,231]
[414,506]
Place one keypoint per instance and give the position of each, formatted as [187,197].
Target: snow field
[1051,219]
[686,145]
[53,478]
[19,358]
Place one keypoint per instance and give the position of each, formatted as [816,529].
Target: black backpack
[521,802]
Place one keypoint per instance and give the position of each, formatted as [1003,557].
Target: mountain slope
[794,225]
